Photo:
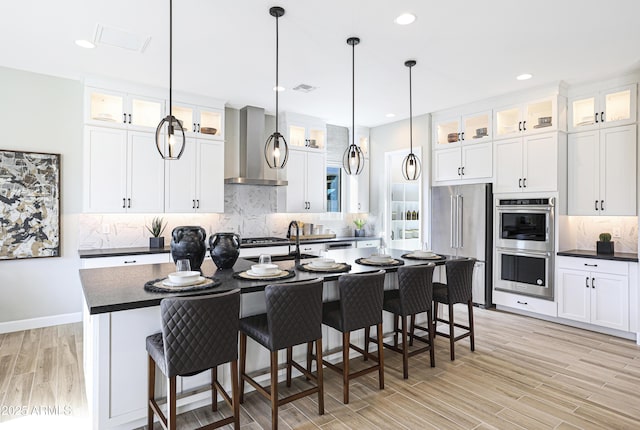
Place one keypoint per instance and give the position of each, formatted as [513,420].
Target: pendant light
[276,150]
[411,167]
[169,143]
[353,159]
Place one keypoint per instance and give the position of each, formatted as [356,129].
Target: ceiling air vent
[304,88]
[121,38]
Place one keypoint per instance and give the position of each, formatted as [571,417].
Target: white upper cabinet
[613,107]
[200,121]
[301,131]
[458,131]
[306,177]
[602,172]
[531,117]
[122,110]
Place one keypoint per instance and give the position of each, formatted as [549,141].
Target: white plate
[324,266]
[423,254]
[380,258]
[263,275]
[168,283]
[265,269]
[182,278]
[323,262]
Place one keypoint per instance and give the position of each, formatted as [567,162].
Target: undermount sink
[284,257]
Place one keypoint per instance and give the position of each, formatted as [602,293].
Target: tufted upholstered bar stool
[360,306]
[294,317]
[413,296]
[198,333]
[458,289]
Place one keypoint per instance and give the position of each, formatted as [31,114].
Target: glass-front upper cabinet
[531,117]
[616,106]
[112,108]
[303,131]
[461,130]
[200,121]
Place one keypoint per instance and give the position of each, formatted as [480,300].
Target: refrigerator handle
[452,224]
[460,209]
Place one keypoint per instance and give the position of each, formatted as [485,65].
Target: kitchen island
[119,314]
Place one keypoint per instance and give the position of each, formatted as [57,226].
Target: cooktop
[262,240]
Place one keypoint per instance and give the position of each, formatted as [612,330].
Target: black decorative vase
[156,242]
[359,232]
[187,242]
[224,249]
[604,248]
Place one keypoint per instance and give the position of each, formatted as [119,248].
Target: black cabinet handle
[524,183]
[522,303]
[524,125]
[129,118]
[601,116]
[458,171]
[124,118]
[193,206]
[124,203]
[463,135]
[601,205]
[596,205]
[194,127]
[197,203]
[596,115]
[198,127]
[520,183]
[593,282]
[129,261]
[520,126]
[462,170]
[591,265]
[586,282]
[129,203]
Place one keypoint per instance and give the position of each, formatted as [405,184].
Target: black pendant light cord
[277,76]
[410,114]
[353,94]
[170,60]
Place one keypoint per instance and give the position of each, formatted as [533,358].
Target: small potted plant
[359,232]
[604,245]
[156,230]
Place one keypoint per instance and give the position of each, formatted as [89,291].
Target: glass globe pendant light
[276,150]
[169,143]
[411,167]
[353,159]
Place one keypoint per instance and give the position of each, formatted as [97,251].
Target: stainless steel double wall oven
[525,243]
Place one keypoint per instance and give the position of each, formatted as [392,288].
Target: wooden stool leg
[367,332]
[451,333]
[214,389]
[151,388]
[405,349]
[274,390]
[289,359]
[380,357]
[345,366]
[432,338]
[412,329]
[320,376]
[309,357]
[395,330]
[171,403]
[243,363]
[471,327]
[235,398]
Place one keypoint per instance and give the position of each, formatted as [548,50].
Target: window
[334,182]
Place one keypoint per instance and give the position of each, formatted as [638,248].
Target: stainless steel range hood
[253,167]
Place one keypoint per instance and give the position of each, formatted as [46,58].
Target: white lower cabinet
[373,243]
[306,175]
[594,291]
[525,303]
[127,260]
[358,190]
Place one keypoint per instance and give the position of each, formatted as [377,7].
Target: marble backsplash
[251,211]
[585,232]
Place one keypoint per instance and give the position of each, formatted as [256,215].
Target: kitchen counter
[112,289]
[618,256]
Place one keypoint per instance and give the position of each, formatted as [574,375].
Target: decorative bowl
[264,269]
[323,262]
[208,130]
[380,258]
[185,277]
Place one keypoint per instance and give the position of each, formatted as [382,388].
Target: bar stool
[294,317]
[198,333]
[458,289]
[360,306]
[413,296]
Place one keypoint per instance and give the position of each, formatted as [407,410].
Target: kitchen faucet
[297,252]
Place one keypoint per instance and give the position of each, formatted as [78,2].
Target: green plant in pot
[156,229]
[359,232]
[604,245]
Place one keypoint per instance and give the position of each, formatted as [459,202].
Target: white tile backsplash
[587,229]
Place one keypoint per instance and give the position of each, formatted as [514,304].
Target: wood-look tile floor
[525,374]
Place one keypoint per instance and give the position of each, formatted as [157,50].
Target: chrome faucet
[297,252]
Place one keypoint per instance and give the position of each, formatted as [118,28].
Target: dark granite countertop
[112,289]
[618,256]
[119,252]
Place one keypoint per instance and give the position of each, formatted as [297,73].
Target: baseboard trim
[28,324]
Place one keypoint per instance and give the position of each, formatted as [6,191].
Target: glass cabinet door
[316,138]
[617,106]
[508,121]
[582,113]
[186,114]
[539,115]
[210,122]
[448,133]
[297,136]
[106,107]
[476,127]
[146,112]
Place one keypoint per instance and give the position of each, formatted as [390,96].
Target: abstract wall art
[29,205]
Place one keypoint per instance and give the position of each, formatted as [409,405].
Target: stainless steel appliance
[461,225]
[525,246]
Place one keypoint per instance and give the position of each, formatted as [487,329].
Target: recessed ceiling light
[524,76]
[405,19]
[390,115]
[85,44]
[278,88]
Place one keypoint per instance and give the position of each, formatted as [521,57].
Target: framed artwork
[29,205]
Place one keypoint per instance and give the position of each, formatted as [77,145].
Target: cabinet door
[476,127]
[574,293]
[508,165]
[477,161]
[296,177]
[540,115]
[447,133]
[316,182]
[105,170]
[105,108]
[146,174]
[144,112]
[618,171]
[446,164]
[610,301]
[359,190]
[210,123]
[619,106]
[507,122]
[180,180]
[583,173]
[210,177]
[540,171]
[582,113]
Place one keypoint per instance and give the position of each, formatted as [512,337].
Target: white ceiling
[466,50]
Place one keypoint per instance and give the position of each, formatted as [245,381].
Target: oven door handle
[452,224]
[459,210]
[524,253]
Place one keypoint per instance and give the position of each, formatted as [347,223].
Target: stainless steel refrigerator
[462,226]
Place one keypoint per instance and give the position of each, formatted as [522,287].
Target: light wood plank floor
[525,374]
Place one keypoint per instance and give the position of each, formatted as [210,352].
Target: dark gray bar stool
[458,289]
[413,296]
[294,317]
[198,333]
[360,306]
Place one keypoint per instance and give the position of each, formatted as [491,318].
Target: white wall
[44,114]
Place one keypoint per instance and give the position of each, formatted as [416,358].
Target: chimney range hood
[253,167]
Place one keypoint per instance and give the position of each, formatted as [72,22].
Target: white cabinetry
[195,182]
[306,174]
[455,131]
[373,243]
[594,291]
[467,162]
[200,121]
[527,118]
[127,260]
[612,107]
[303,131]
[358,186]
[602,172]
[122,110]
[123,171]
[527,164]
